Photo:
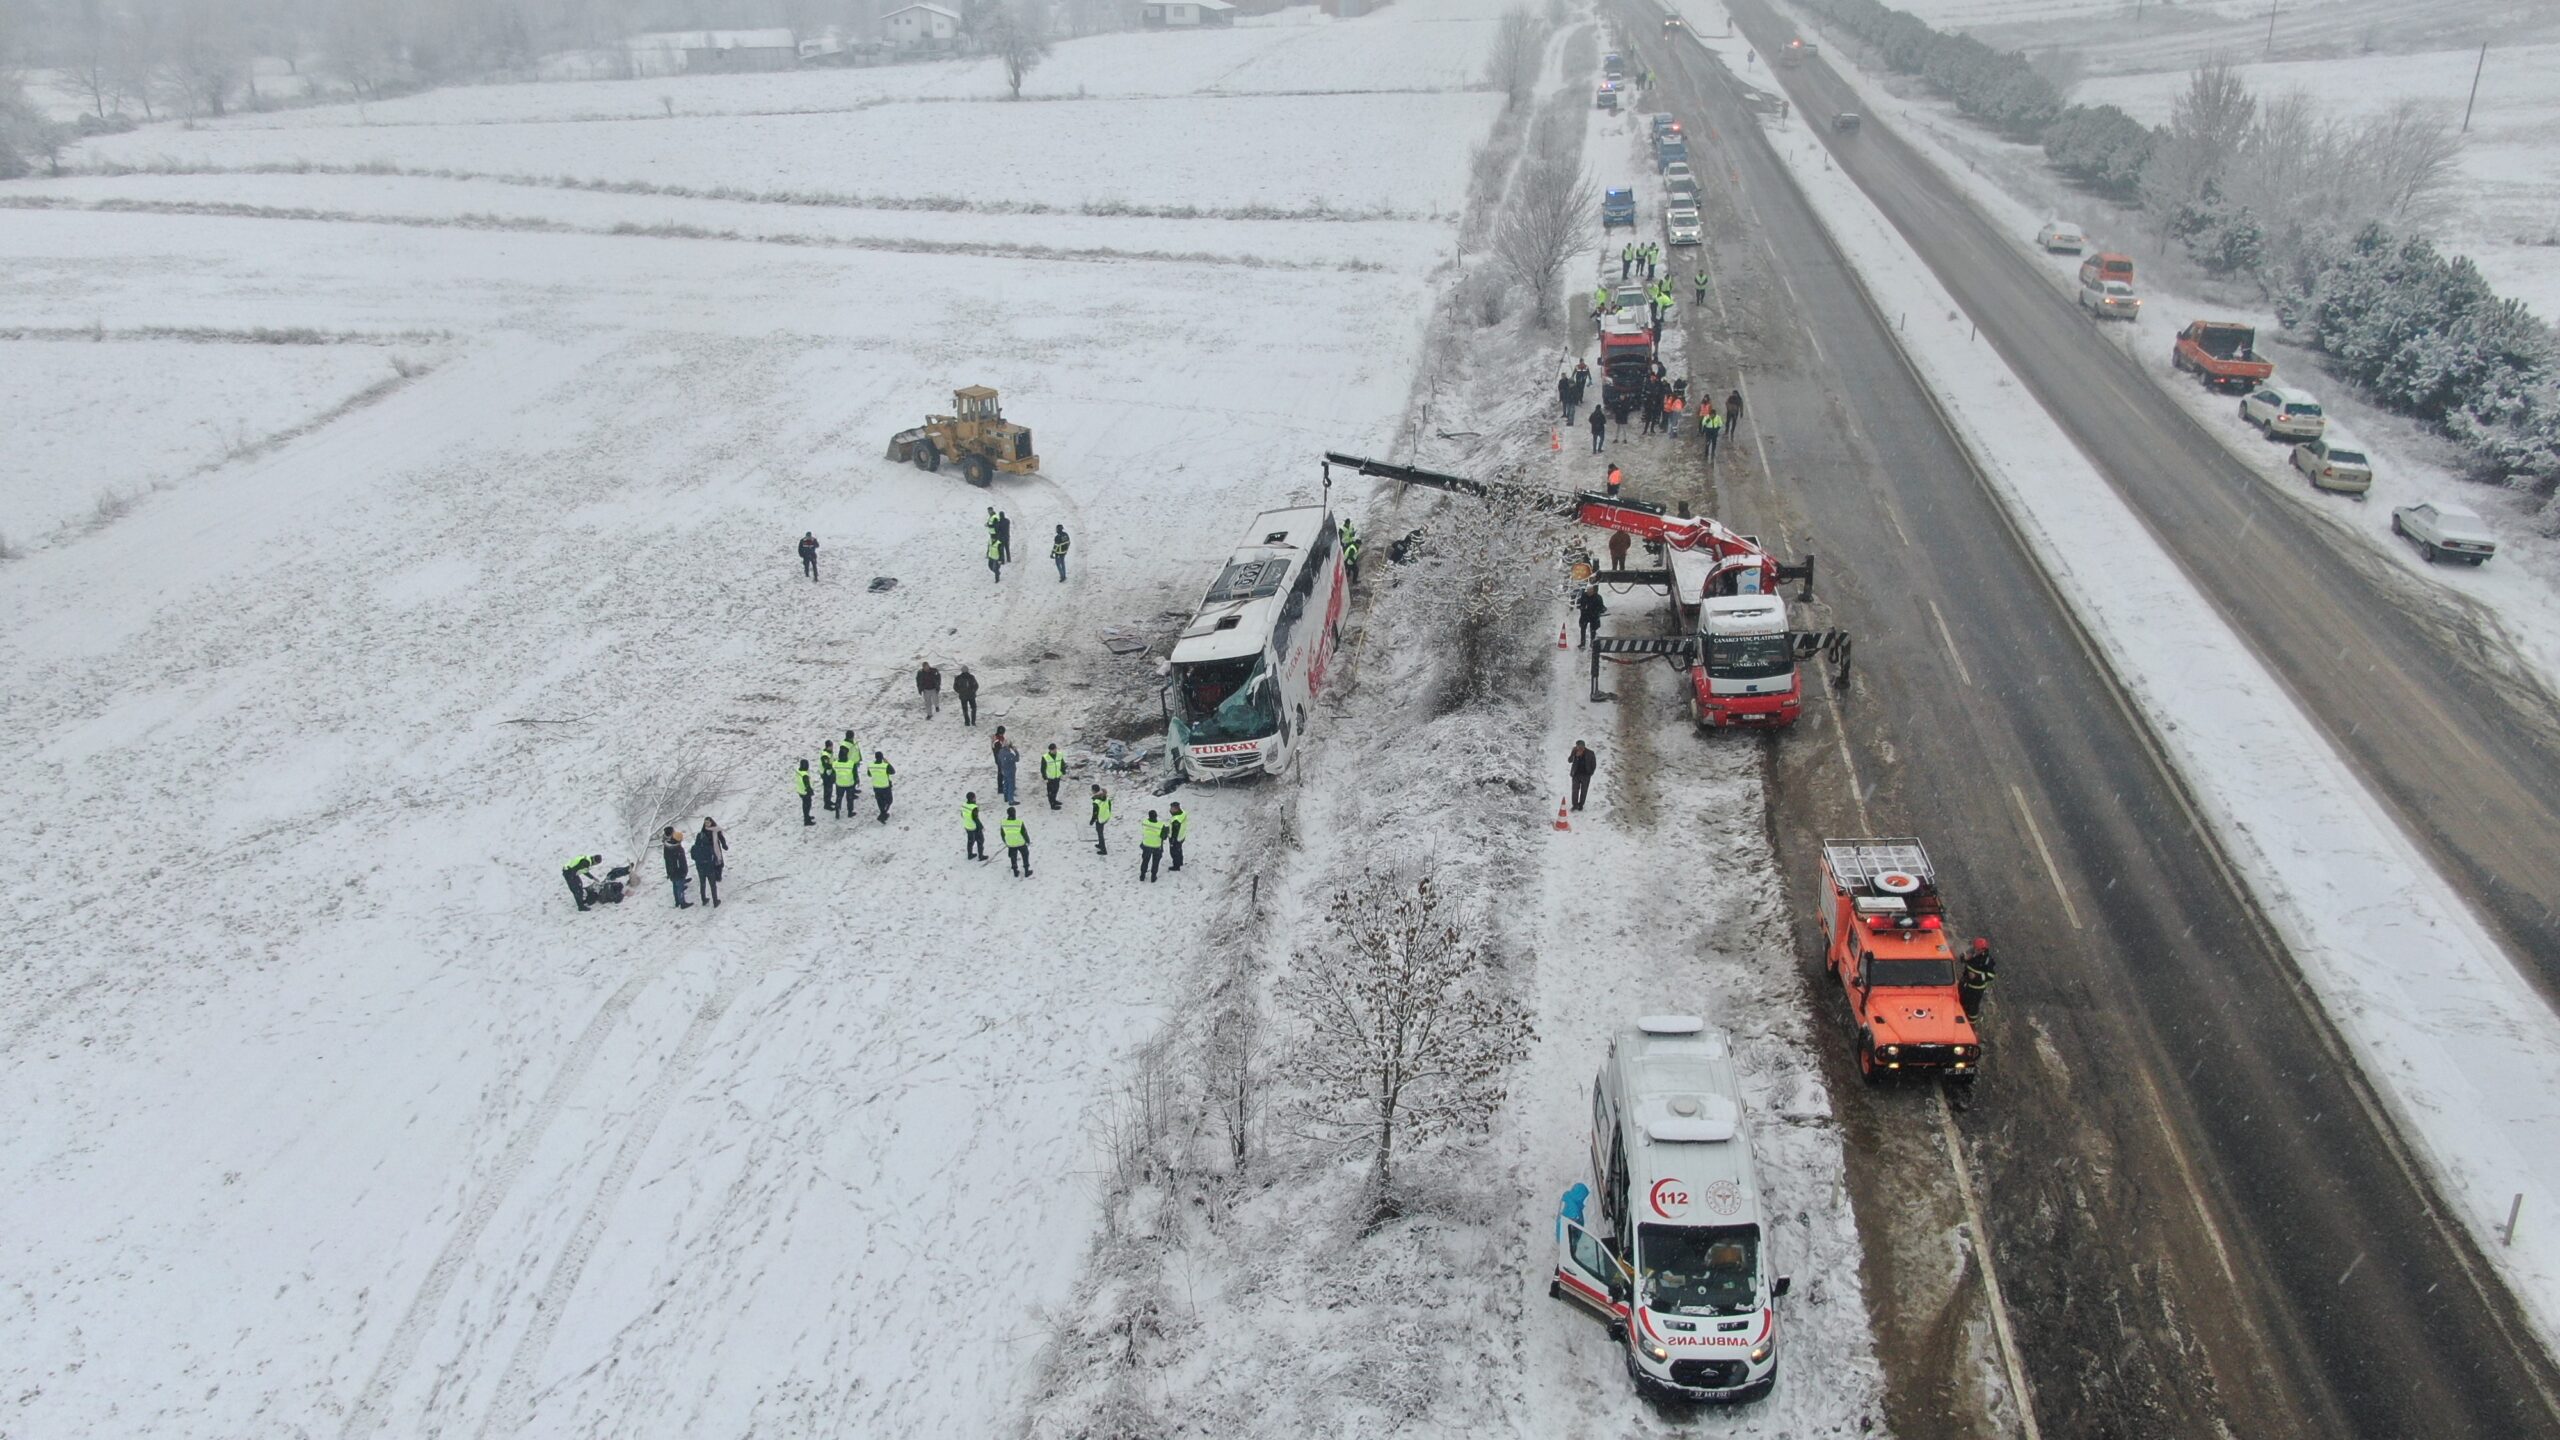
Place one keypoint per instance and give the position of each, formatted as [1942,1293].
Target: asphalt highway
[2405,677]
[2200,1222]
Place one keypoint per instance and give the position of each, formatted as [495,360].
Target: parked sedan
[2332,467]
[2061,237]
[1684,226]
[2284,413]
[2445,532]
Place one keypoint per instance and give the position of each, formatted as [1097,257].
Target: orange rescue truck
[1884,931]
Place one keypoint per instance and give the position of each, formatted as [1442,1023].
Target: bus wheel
[1697,709]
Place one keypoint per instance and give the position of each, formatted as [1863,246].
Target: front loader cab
[976,403]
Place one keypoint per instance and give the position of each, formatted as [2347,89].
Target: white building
[675,52]
[1186,14]
[920,27]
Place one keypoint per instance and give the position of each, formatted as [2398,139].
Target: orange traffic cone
[1555,438]
[1561,643]
[1561,822]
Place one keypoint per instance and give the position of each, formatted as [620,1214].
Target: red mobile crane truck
[1738,646]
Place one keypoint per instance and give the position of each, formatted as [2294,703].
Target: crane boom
[1733,553]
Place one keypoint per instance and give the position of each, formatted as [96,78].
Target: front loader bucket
[902,445]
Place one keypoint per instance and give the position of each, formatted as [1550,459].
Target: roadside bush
[2101,147]
[2001,88]
[2425,335]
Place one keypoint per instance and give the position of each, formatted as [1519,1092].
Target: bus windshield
[1749,657]
[1224,700]
[1699,1270]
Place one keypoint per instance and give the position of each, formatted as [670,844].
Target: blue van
[1617,207]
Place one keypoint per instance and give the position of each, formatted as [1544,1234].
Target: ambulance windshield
[1699,1270]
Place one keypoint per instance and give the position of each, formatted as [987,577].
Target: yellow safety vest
[1016,834]
[968,814]
[879,770]
[1053,766]
[1151,834]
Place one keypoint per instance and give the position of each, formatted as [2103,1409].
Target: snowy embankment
[2457,1045]
[324,1114]
[2503,187]
[1240,1290]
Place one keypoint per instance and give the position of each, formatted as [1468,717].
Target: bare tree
[1013,38]
[2208,125]
[1410,1033]
[136,56]
[2408,152]
[24,131]
[1548,219]
[208,53]
[1519,53]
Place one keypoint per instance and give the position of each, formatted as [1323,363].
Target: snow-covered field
[82,443]
[323,1114]
[2455,1042]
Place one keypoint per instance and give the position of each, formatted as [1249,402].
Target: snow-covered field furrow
[1287,151]
[1408,245]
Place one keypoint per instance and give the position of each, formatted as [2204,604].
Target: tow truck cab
[1746,675]
[1885,941]
[1674,1255]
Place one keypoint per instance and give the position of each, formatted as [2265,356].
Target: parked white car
[2110,300]
[1684,227]
[1678,170]
[2445,532]
[2283,413]
[2062,237]
[2334,467]
[1683,191]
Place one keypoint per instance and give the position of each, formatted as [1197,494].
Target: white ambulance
[1666,1242]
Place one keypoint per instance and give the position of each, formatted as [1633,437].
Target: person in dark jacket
[1564,395]
[1581,380]
[1599,423]
[809,553]
[964,686]
[929,685]
[1619,405]
[1591,607]
[1979,971]
[1733,408]
[1058,553]
[575,872]
[671,848]
[1580,766]
[710,854]
[1004,535]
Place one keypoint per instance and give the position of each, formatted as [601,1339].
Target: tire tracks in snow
[400,1356]
[512,1405]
